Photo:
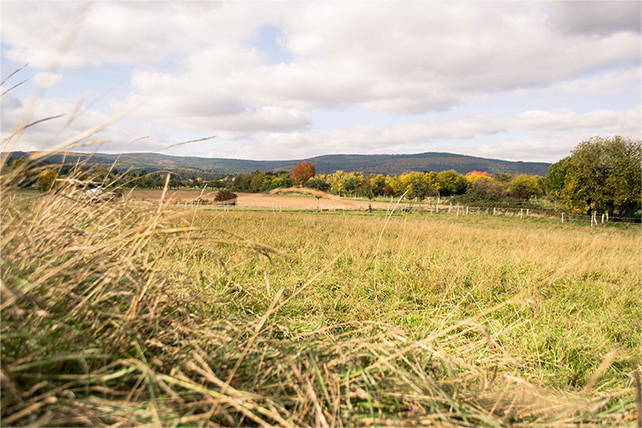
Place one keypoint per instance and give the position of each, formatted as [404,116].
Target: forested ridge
[211,168]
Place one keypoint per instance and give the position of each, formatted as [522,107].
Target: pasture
[160,314]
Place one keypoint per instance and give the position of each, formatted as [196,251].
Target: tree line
[600,174]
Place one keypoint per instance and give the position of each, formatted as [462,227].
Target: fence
[595,218]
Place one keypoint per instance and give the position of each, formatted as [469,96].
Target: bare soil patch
[263,200]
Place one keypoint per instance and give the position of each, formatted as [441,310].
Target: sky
[272,80]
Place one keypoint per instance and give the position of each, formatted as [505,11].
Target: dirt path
[264,200]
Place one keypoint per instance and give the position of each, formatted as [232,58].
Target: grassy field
[120,313]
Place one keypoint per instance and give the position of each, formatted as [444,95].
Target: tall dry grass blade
[14,87]
[13,73]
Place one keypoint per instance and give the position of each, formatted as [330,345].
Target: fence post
[527,210]
[466,210]
[521,213]
[602,218]
[450,207]
[562,217]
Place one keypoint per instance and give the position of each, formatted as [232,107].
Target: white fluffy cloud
[551,134]
[63,121]
[409,58]
[46,79]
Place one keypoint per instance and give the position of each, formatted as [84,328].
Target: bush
[47,179]
[225,195]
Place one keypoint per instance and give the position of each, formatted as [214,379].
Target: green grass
[576,288]
[126,313]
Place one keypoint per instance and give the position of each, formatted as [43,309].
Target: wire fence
[594,219]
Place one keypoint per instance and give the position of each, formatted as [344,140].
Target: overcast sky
[294,79]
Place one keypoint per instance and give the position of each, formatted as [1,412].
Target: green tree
[555,179]
[318,183]
[377,184]
[282,179]
[601,174]
[489,189]
[452,183]
[47,179]
[524,186]
[420,189]
[256,183]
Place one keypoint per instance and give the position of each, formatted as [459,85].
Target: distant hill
[375,164]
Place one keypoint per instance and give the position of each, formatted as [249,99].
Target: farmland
[262,200]
[164,314]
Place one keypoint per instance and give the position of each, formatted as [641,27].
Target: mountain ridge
[393,164]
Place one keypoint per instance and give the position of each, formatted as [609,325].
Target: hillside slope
[376,164]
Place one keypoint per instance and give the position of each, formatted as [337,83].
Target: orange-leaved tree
[302,172]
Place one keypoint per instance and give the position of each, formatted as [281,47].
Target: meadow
[148,313]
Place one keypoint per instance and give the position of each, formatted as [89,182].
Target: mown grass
[125,313]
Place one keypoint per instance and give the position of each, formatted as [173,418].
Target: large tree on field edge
[602,174]
[302,172]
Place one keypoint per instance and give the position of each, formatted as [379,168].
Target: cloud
[132,32]
[367,139]
[199,67]
[46,79]
[613,84]
[621,122]
[533,135]
[596,17]
[74,119]
[409,58]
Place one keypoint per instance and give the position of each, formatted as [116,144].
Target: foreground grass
[123,314]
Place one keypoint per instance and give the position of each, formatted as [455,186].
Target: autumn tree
[302,172]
